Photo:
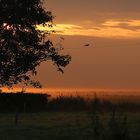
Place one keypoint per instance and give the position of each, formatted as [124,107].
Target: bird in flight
[87,45]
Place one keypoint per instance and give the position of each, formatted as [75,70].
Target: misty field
[71,126]
[35,117]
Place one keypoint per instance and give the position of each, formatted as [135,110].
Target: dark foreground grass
[71,126]
[67,118]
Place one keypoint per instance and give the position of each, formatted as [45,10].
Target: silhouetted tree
[22,45]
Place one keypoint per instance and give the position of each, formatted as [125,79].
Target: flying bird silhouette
[87,45]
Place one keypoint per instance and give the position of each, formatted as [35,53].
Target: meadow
[70,126]
[74,118]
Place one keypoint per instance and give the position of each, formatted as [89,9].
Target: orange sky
[112,28]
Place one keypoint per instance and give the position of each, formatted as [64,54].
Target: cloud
[119,23]
[108,29]
[96,10]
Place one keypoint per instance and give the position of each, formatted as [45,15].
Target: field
[70,126]
[34,117]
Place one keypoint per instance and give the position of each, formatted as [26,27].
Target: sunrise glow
[108,29]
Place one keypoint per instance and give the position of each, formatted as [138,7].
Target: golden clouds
[108,29]
[129,23]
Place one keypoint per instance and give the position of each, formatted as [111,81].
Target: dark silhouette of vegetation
[71,117]
[67,103]
[22,46]
[43,102]
[23,103]
[114,127]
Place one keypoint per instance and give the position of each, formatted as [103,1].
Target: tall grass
[67,103]
[114,127]
[78,103]
[103,119]
[40,102]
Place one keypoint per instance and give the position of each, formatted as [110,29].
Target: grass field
[70,126]
[34,117]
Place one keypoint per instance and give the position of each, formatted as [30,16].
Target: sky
[112,28]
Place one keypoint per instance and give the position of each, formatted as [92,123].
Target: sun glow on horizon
[61,90]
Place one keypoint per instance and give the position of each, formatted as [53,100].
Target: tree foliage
[22,45]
